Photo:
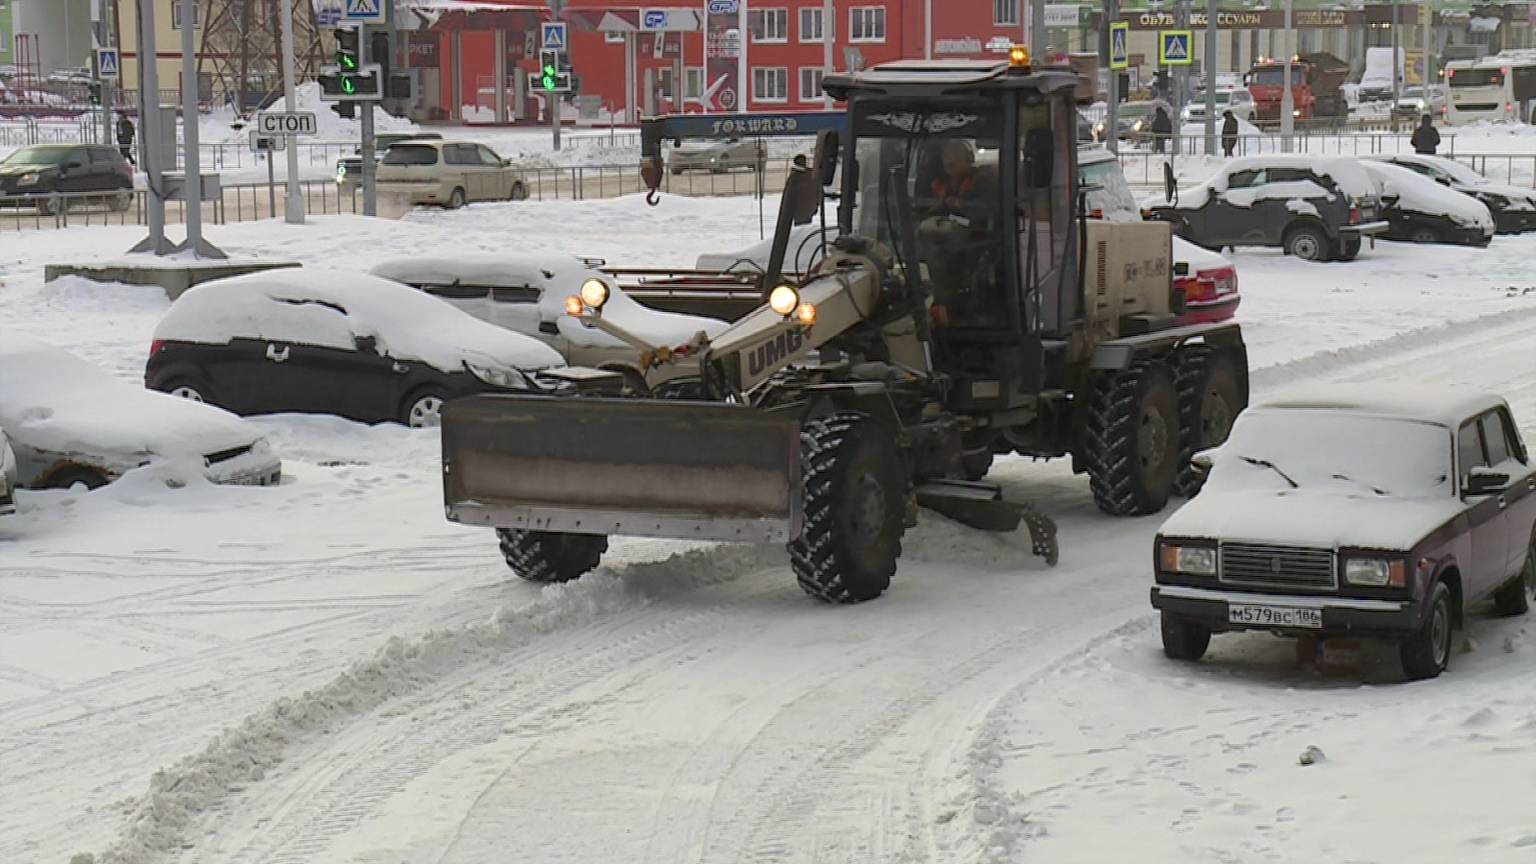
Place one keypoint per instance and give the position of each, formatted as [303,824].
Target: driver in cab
[957,226]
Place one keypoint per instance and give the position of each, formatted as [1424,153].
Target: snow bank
[557,277]
[220,126]
[53,401]
[182,796]
[334,308]
[1417,193]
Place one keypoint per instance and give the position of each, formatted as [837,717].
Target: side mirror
[1485,481]
[804,196]
[1039,158]
[366,344]
[826,156]
[1170,184]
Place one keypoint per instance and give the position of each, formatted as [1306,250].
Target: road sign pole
[1112,92]
[192,162]
[1287,99]
[103,40]
[293,212]
[1210,78]
[271,186]
[150,131]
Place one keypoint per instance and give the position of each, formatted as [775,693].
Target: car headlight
[1375,572]
[509,379]
[1189,560]
[1136,125]
[594,293]
[1496,200]
[784,299]
[28,179]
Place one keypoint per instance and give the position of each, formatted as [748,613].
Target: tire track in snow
[182,797]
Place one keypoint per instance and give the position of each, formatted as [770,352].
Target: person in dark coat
[1162,129]
[1228,133]
[1426,138]
[125,138]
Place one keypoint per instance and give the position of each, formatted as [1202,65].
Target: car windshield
[410,154]
[1475,77]
[1112,198]
[1413,93]
[1326,448]
[36,156]
[1274,76]
[1460,173]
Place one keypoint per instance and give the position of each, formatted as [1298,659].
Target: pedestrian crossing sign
[1173,48]
[1119,45]
[554,36]
[364,10]
[107,64]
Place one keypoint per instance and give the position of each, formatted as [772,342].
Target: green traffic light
[348,86]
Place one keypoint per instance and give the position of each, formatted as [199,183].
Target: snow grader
[967,307]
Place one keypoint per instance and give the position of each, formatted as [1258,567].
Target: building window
[866,24]
[770,84]
[693,84]
[1005,12]
[811,29]
[613,37]
[197,16]
[768,25]
[810,84]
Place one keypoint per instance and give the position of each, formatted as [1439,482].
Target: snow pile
[181,797]
[1416,193]
[1346,172]
[54,402]
[220,126]
[556,278]
[1288,191]
[335,308]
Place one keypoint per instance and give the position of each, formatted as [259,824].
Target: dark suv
[1316,208]
[37,175]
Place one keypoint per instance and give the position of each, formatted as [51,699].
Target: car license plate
[1274,616]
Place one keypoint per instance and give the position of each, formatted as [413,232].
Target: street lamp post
[1287,99]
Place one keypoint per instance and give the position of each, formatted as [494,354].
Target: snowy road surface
[327,671]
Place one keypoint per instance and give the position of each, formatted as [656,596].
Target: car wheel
[456,200]
[1183,639]
[1426,652]
[120,201]
[519,192]
[1426,235]
[188,388]
[424,410]
[1349,248]
[1515,597]
[1307,242]
[67,476]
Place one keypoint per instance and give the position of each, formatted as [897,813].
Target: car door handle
[400,368]
[277,356]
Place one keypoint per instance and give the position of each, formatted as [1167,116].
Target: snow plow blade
[981,506]
[633,467]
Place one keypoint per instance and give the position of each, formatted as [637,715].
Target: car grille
[1283,566]
[226,455]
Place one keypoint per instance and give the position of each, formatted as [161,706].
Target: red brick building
[784,46]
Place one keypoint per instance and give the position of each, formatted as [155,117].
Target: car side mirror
[1485,481]
[366,344]
[1170,184]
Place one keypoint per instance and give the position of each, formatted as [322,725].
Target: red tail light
[1211,285]
[155,346]
[1354,215]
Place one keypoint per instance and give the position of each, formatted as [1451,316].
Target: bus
[1498,87]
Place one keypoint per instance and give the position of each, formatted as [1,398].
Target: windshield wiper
[1349,479]
[1265,463]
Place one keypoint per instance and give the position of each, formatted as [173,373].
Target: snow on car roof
[332,308]
[1417,193]
[1446,406]
[557,277]
[52,400]
[1345,170]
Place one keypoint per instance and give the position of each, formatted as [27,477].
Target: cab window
[487,157]
[1493,438]
[410,154]
[460,154]
[1469,450]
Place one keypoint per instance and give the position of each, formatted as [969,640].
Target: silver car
[715,157]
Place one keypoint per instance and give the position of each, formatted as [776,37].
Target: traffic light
[349,79]
[95,87]
[554,71]
[378,52]
[348,57]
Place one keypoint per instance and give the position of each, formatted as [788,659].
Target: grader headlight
[807,314]
[594,293]
[784,300]
[574,307]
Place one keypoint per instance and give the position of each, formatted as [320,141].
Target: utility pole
[927,28]
[1428,77]
[1210,77]
[370,171]
[192,161]
[1287,99]
[1037,32]
[829,38]
[1180,75]
[1396,56]
[99,17]
[150,131]
[1112,89]
[293,212]
[552,99]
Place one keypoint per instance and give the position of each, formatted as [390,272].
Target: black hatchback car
[1315,208]
[36,176]
[332,342]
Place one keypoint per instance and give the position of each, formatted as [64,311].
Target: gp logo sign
[722,7]
[655,19]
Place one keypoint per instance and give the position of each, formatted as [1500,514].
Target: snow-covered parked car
[528,295]
[716,157]
[1362,511]
[70,422]
[8,478]
[1513,207]
[332,342]
[1317,208]
[1422,211]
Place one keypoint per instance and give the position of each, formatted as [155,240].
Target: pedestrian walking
[125,138]
[1426,138]
[1228,133]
